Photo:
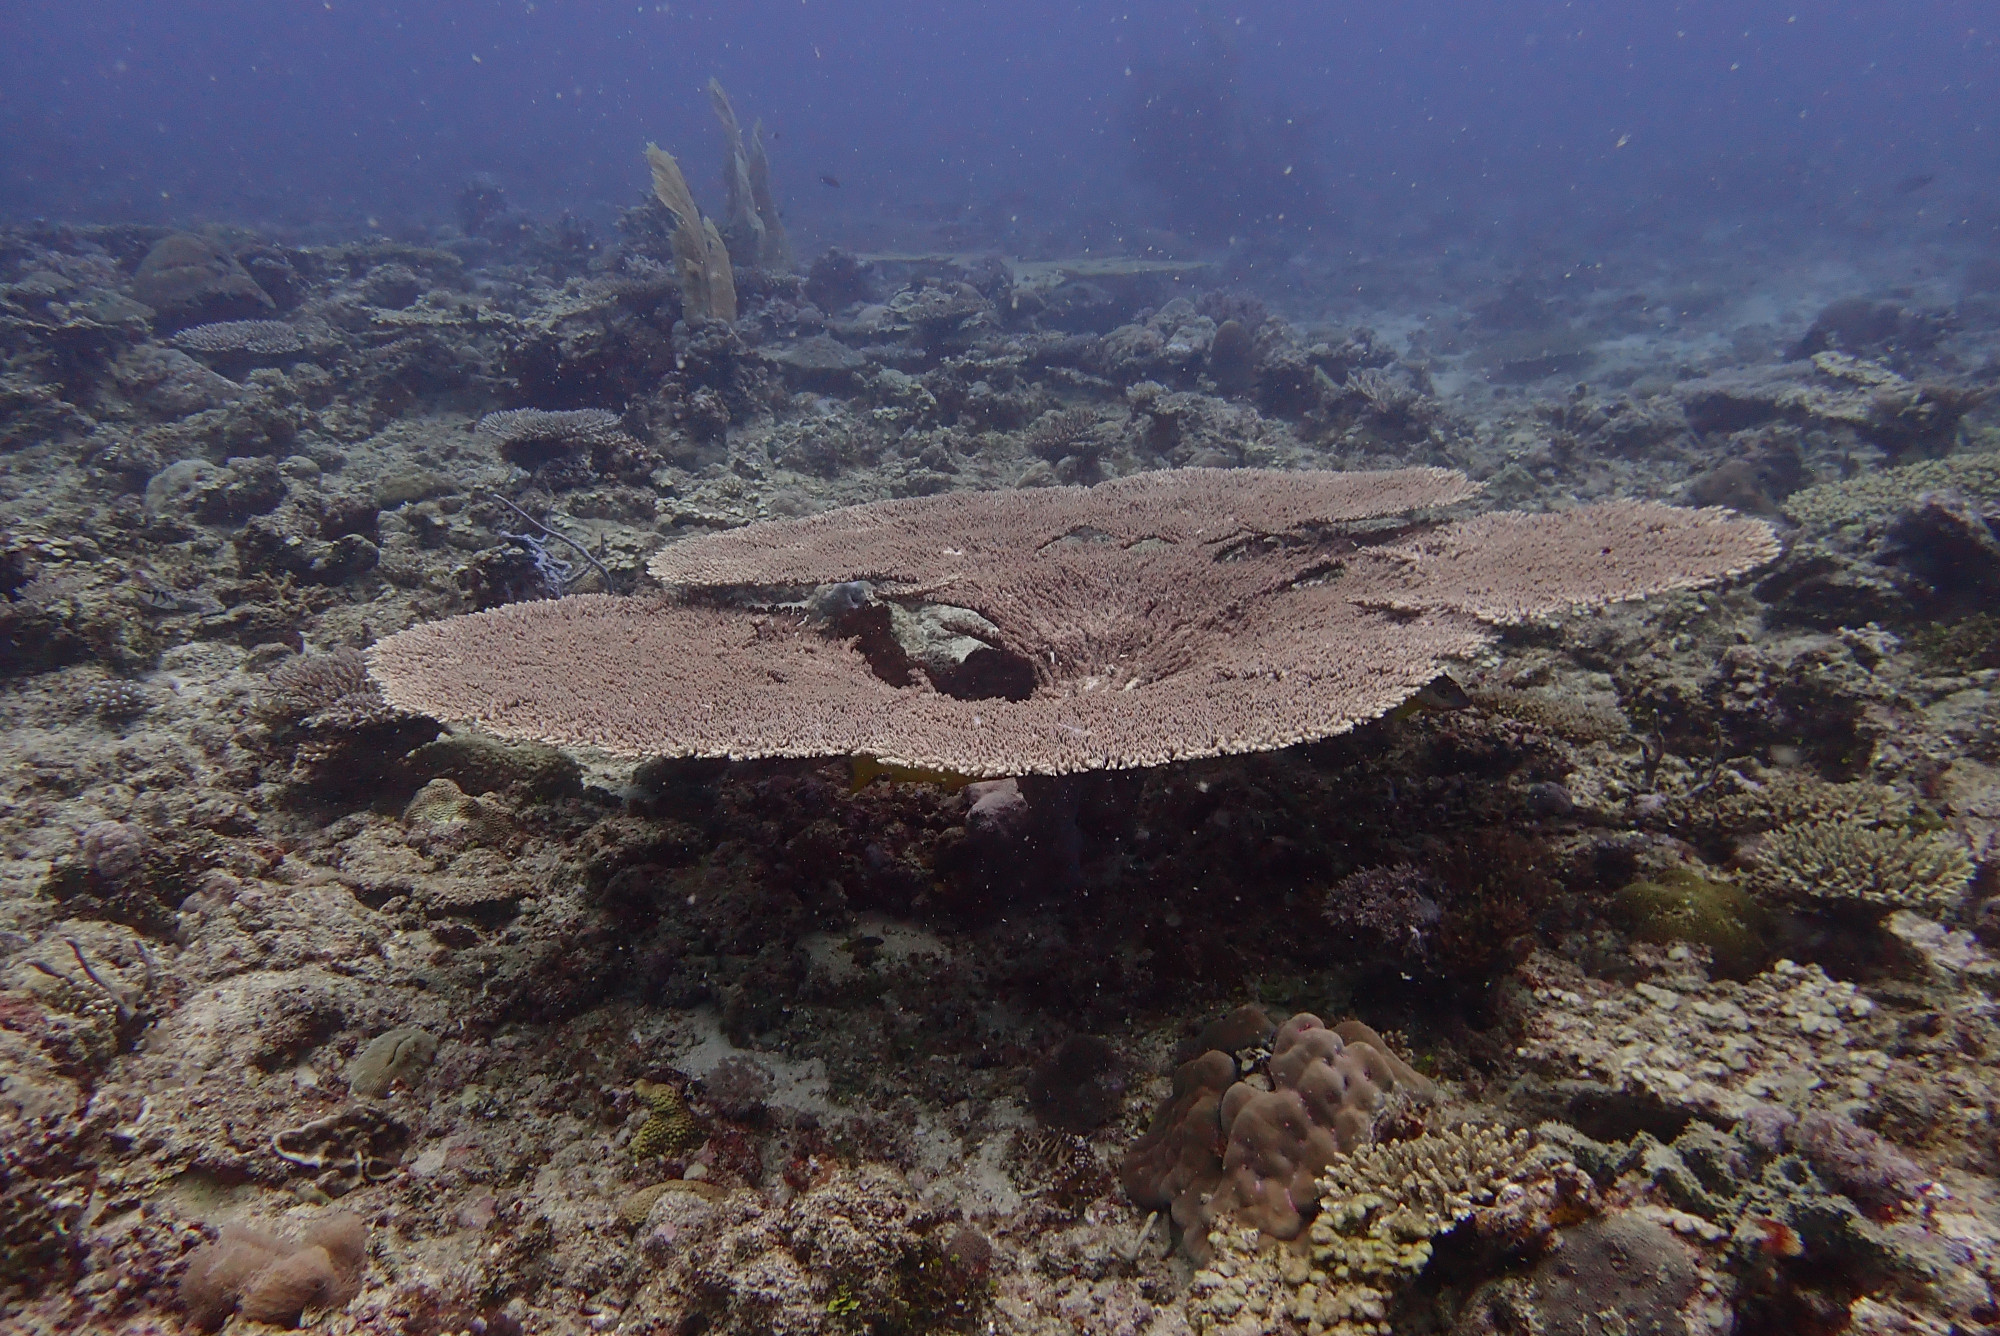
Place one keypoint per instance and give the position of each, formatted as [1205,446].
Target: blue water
[1030,125]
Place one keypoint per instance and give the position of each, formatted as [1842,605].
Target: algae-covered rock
[1681,905]
[479,764]
[399,1055]
[190,280]
[1620,1273]
[1968,645]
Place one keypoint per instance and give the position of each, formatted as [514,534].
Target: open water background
[1033,125]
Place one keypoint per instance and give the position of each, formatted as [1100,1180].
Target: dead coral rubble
[1790,1035]
[853,1253]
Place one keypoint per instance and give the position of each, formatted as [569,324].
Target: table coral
[1247,1142]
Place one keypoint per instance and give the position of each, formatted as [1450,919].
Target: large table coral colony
[1168,615]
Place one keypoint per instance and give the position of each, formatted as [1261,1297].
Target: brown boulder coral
[1251,1149]
[270,1280]
[1154,618]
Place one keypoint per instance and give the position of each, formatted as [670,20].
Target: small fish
[829,179]
[1776,1238]
[868,769]
[159,600]
[863,949]
[1910,185]
[166,602]
[1441,695]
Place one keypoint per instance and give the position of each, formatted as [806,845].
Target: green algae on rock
[1681,905]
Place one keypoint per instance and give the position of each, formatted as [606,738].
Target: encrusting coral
[441,806]
[669,1127]
[399,1055]
[1157,617]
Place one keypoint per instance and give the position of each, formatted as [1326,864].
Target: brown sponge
[271,1280]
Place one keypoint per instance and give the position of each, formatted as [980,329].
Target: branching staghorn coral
[1845,861]
[325,691]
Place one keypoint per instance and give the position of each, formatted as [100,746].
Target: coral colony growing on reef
[642,785]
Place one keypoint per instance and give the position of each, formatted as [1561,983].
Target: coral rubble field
[1639,978]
